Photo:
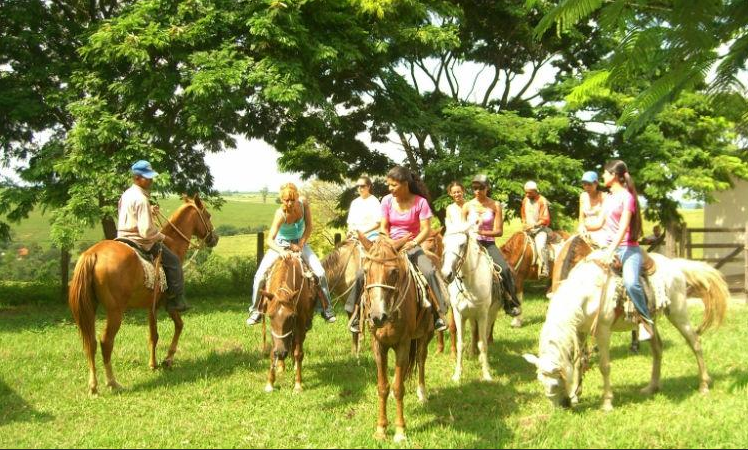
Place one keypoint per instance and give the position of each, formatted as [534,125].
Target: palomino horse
[470,272]
[398,321]
[290,297]
[585,301]
[110,274]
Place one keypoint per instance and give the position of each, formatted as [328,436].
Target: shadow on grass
[13,408]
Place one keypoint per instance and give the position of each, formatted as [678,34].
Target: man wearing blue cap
[136,225]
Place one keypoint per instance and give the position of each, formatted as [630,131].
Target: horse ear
[532,359]
[398,244]
[185,197]
[198,202]
[266,294]
[364,241]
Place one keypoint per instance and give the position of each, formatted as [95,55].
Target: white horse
[576,305]
[469,271]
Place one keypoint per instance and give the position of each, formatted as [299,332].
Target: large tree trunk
[672,232]
[110,228]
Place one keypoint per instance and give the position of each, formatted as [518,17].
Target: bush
[227,230]
[217,275]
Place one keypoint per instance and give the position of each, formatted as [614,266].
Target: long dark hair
[621,172]
[415,185]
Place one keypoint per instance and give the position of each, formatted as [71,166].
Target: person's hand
[155,210]
[409,245]
[527,227]
[294,247]
[609,256]
[285,254]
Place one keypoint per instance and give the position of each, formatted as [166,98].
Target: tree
[264,192]
[676,41]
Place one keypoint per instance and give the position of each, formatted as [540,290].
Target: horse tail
[707,283]
[412,359]
[82,300]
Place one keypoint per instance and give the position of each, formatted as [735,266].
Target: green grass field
[213,397]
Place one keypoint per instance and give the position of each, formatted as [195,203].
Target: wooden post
[683,239]
[689,249]
[338,238]
[670,242]
[745,257]
[260,247]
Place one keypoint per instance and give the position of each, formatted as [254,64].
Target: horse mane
[333,262]
[568,260]
[510,246]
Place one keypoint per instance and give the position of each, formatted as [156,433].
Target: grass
[214,397]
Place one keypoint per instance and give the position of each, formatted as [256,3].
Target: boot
[439,323]
[176,303]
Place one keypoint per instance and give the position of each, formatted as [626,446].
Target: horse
[289,299]
[398,321]
[520,253]
[585,304]
[470,272]
[344,263]
[109,273]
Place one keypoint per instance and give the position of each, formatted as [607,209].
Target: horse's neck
[179,244]
[336,263]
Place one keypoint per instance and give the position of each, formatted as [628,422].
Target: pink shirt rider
[409,222]
[613,208]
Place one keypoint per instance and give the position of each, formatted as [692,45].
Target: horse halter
[291,305]
[382,261]
[210,230]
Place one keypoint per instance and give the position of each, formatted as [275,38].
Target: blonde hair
[290,190]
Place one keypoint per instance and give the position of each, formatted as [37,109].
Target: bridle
[210,231]
[399,301]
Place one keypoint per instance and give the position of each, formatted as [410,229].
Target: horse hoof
[650,390]
[167,364]
[268,388]
[704,390]
[487,377]
[297,388]
[607,406]
[400,437]
[380,434]
[456,378]
[114,386]
[421,394]
[516,322]
[93,391]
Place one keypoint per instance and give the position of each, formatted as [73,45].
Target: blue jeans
[631,257]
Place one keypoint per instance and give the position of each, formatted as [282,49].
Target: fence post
[745,267]
[338,238]
[683,239]
[260,247]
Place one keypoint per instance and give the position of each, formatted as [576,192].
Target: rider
[490,218]
[406,212]
[591,209]
[536,220]
[135,224]
[289,232]
[454,211]
[365,216]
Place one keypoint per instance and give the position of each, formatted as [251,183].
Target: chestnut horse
[398,321]
[290,299]
[110,273]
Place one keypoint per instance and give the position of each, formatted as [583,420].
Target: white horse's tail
[707,283]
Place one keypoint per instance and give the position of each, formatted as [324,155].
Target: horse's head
[434,242]
[562,384]
[455,250]
[193,219]
[285,291]
[384,270]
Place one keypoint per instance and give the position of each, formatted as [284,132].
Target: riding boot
[439,323]
[544,263]
[176,303]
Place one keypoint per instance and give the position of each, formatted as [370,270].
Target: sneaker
[355,326]
[439,324]
[329,316]
[644,334]
[254,318]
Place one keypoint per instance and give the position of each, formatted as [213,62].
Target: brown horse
[290,297]
[398,322]
[109,273]
[573,250]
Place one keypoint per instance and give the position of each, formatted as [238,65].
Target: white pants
[540,240]
[307,254]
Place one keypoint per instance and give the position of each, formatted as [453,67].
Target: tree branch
[491,87]
[475,80]
[505,95]
[408,149]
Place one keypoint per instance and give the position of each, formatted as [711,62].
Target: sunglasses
[478,188]
[361,185]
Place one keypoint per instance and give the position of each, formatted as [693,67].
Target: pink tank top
[486,223]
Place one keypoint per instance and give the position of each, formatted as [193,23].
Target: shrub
[217,275]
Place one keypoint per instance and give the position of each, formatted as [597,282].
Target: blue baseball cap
[143,168]
[589,177]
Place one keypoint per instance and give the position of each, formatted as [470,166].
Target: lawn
[213,397]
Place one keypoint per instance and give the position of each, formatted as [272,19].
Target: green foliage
[216,275]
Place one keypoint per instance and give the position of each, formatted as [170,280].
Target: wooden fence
[735,248]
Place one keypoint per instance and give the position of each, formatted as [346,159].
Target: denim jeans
[631,258]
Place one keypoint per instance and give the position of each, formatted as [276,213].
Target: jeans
[631,258]
[507,277]
[172,268]
[269,259]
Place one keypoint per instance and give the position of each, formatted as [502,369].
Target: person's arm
[384,225]
[544,216]
[309,226]
[582,225]
[273,233]
[146,228]
[623,226]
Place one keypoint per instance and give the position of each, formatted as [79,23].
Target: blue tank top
[292,231]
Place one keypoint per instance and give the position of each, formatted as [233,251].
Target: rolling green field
[213,396]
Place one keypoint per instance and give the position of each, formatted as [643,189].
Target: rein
[190,246]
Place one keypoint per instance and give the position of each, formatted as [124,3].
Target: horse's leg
[423,352]
[113,322]
[271,374]
[679,318]
[152,339]
[452,333]
[298,355]
[439,342]
[402,360]
[482,345]
[458,336]
[475,337]
[517,321]
[654,381]
[603,345]
[383,387]
[178,326]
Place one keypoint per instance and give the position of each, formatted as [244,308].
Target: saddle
[649,267]
[147,261]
